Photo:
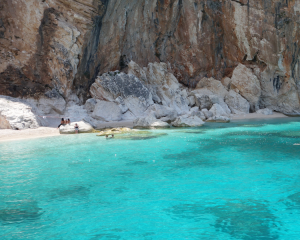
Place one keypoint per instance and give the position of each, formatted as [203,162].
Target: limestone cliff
[65,44]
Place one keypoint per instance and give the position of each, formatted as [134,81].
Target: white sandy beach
[11,135]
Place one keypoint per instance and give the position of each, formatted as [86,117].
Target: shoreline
[7,135]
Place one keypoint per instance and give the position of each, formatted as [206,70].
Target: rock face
[17,114]
[248,85]
[237,103]
[82,126]
[251,46]
[107,111]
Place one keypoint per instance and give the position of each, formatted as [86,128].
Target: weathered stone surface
[248,85]
[40,49]
[192,101]
[135,95]
[188,121]
[226,82]
[90,104]
[265,111]
[161,111]
[83,127]
[49,103]
[207,113]
[213,85]
[17,114]
[149,122]
[163,85]
[217,110]
[115,131]
[237,103]
[203,101]
[107,111]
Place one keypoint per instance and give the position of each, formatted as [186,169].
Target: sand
[257,116]
[11,135]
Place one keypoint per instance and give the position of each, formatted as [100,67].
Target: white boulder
[149,122]
[83,127]
[213,85]
[185,121]
[207,113]
[217,110]
[17,114]
[107,111]
[161,111]
[248,85]
[237,103]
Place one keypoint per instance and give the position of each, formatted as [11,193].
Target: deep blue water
[222,181]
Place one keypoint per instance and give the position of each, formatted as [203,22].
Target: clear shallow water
[222,181]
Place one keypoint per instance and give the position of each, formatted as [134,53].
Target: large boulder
[213,85]
[17,114]
[217,110]
[84,127]
[107,111]
[237,103]
[207,113]
[135,95]
[163,85]
[50,103]
[149,122]
[188,121]
[248,85]
[161,111]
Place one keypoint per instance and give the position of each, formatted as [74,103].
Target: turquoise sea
[222,181]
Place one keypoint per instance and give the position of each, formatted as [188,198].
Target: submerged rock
[140,135]
[115,131]
[84,127]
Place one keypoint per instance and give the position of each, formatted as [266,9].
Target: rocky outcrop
[237,103]
[107,111]
[114,131]
[247,84]
[83,127]
[63,46]
[17,114]
[188,121]
[134,95]
[149,122]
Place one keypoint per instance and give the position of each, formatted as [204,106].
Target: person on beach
[76,128]
[62,122]
[69,121]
